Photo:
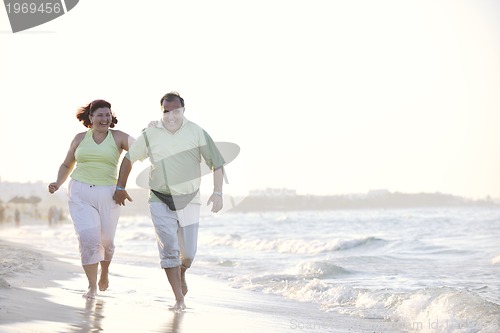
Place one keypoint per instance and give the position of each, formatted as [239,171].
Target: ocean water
[418,270]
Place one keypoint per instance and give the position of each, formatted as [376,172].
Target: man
[174,146]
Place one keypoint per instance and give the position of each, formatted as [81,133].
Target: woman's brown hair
[83,114]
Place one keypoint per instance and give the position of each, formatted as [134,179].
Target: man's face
[173,114]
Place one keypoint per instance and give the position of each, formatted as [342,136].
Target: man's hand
[153,123]
[120,196]
[216,201]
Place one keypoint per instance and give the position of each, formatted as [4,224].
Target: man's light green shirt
[176,157]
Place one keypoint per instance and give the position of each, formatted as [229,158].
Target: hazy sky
[324,97]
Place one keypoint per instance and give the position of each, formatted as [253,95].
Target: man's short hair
[172,96]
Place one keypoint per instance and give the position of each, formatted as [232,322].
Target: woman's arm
[123,140]
[67,165]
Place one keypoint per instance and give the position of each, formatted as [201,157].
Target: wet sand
[41,293]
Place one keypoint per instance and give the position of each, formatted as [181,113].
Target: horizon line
[299,193]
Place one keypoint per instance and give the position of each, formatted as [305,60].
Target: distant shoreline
[293,202]
[268,199]
[378,200]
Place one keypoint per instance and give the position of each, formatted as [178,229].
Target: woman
[93,182]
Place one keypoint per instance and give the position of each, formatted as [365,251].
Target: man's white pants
[176,233]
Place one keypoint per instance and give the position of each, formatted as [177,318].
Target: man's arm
[216,197]
[136,151]
[121,193]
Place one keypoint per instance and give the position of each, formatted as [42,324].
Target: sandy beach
[41,292]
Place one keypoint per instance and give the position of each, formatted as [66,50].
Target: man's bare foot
[103,281]
[178,307]
[90,294]
[184,285]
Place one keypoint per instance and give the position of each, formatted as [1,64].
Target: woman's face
[101,118]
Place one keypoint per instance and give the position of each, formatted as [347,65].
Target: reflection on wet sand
[174,323]
[91,316]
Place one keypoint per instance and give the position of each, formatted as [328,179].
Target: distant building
[9,190]
[378,193]
[273,192]
[18,191]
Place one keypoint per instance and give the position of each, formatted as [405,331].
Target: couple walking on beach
[174,146]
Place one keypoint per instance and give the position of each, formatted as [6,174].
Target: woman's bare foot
[178,307]
[104,280]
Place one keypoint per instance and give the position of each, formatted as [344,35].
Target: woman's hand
[53,187]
